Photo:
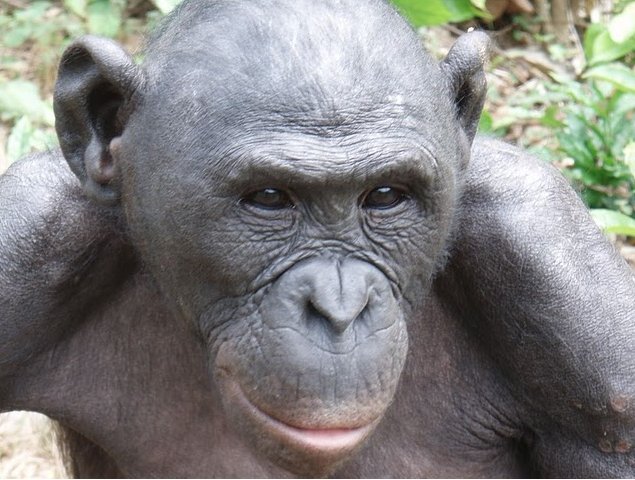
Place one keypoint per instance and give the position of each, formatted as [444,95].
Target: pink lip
[322,440]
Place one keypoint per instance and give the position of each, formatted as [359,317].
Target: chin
[310,451]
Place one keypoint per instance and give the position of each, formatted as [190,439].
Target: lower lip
[323,440]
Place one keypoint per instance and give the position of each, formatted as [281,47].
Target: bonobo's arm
[52,267]
[554,304]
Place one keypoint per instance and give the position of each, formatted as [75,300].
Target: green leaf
[591,35]
[78,7]
[17,35]
[165,6]
[603,49]
[32,13]
[18,141]
[25,138]
[550,117]
[629,157]
[420,13]
[616,73]
[19,98]
[623,104]
[104,18]
[622,26]
[486,122]
[613,222]
[460,10]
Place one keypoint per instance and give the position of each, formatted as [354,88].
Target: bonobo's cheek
[305,381]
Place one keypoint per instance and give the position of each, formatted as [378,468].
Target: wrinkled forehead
[318,53]
[328,68]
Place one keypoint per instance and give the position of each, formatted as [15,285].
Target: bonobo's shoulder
[500,174]
[40,198]
[39,184]
[44,173]
[44,167]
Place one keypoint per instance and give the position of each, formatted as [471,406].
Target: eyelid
[286,199]
[402,194]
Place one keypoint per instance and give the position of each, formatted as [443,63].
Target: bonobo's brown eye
[383,198]
[269,199]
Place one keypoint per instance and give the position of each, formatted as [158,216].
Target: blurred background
[561,84]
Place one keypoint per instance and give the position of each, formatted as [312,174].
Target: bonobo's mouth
[331,441]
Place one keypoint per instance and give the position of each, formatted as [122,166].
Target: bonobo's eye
[385,197]
[268,199]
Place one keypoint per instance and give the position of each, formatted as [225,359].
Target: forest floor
[27,446]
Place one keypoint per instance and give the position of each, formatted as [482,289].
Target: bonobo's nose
[333,294]
[335,289]
[339,290]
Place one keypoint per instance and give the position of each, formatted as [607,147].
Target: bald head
[333,49]
[327,66]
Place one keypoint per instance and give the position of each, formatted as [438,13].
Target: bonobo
[276,248]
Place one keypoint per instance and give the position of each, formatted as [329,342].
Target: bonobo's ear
[97,86]
[463,67]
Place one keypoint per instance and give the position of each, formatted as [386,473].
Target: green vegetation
[597,132]
[33,38]
[590,119]
[438,12]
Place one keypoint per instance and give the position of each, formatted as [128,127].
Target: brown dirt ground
[27,447]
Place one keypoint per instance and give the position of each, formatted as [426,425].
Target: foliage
[614,222]
[597,133]
[527,105]
[606,43]
[26,138]
[589,121]
[165,6]
[437,12]
[22,106]
[19,98]
[41,30]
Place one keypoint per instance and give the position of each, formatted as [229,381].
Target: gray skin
[222,274]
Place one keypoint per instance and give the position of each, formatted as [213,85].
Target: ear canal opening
[470,97]
[104,103]
[463,99]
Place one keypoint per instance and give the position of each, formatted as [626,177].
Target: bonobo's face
[293,201]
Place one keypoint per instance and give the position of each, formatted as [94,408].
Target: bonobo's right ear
[98,84]
[463,67]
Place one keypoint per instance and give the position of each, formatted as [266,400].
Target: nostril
[312,310]
[336,292]
[337,314]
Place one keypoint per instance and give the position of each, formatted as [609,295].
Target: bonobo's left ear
[463,67]
[97,86]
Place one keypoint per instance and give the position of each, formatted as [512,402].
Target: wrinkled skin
[276,248]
